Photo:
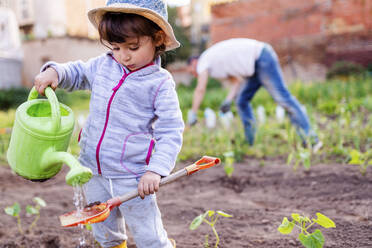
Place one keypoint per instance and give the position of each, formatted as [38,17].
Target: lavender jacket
[129,113]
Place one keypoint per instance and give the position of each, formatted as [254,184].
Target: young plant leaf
[307,164]
[39,201]
[324,221]
[286,227]
[313,240]
[306,219]
[296,217]
[210,213]
[223,214]
[289,158]
[356,157]
[229,170]
[32,210]
[13,210]
[196,222]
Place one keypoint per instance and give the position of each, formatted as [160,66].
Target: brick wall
[307,30]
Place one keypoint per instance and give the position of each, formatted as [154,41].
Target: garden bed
[257,196]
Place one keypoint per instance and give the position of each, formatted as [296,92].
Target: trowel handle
[54,105]
[203,163]
[116,201]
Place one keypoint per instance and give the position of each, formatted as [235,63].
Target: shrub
[13,97]
[345,69]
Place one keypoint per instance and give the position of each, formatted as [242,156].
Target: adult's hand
[191,118]
[225,106]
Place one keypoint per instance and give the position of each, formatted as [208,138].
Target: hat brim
[95,17]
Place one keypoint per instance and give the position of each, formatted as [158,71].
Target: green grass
[340,112]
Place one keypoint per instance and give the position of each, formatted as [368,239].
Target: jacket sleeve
[168,129]
[77,75]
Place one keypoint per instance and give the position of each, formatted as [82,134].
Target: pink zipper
[149,151]
[79,137]
[115,89]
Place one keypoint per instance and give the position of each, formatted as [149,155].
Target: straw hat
[154,10]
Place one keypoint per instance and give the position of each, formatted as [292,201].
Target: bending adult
[247,65]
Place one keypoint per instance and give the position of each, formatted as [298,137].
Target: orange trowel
[99,212]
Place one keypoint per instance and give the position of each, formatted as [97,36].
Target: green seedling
[229,163]
[308,239]
[299,156]
[15,211]
[210,217]
[362,159]
[302,155]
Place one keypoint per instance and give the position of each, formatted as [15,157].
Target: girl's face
[135,52]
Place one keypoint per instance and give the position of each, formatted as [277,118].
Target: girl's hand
[46,78]
[149,184]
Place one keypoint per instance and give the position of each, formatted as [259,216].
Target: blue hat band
[158,6]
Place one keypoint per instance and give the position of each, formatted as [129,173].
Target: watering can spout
[77,175]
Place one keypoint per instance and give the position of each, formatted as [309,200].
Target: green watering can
[40,138]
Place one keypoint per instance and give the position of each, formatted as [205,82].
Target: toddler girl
[133,108]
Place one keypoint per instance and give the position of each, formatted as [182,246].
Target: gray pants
[142,217]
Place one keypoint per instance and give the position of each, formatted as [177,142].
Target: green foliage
[314,240]
[340,113]
[15,211]
[213,98]
[210,217]
[13,97]
[184,51]
[342,69]
[299,153]
[229,163]
[77,100]
[308,239]
[362,159]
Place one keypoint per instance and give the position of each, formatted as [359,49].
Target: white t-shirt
[233,57]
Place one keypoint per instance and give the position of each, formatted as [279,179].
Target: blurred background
[324,46]
[309,35]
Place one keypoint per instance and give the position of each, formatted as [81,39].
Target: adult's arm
[235,83]
[200,90]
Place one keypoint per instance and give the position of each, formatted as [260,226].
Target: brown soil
[258,198]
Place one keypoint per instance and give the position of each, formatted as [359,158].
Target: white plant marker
[226,118]
[279,113]
[261,114]
[210,118]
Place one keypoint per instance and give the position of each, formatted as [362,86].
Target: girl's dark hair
[117,27]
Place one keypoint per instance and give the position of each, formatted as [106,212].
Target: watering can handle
[54,104]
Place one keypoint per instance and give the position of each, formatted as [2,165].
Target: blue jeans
[142,217]
[269,75]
